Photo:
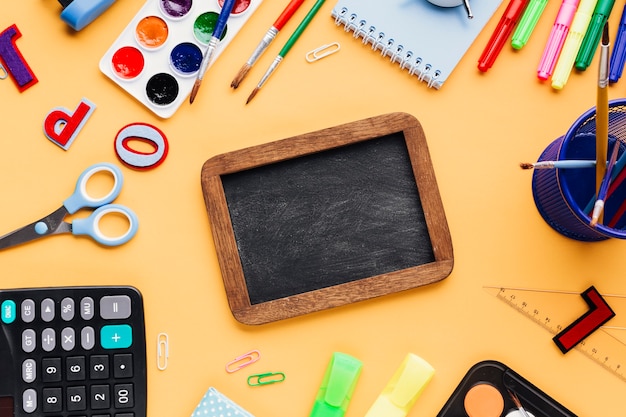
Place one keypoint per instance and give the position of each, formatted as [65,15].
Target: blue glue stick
[80,13]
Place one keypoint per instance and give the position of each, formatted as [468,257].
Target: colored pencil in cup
[212,46]
[270,35]
[285,50]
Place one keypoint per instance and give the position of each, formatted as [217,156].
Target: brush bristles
[252,94]
[194,91]
[526,165]
[605,34]
[240,76]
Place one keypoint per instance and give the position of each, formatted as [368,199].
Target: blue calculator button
[8,311]
[116,336]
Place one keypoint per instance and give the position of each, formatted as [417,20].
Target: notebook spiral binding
[387,47]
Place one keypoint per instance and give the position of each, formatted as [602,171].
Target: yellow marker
[403,389]
[572,43]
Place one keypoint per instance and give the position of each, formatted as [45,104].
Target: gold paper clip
[266,378]
[4,74]
[323,51]
[163,351]
[243,361]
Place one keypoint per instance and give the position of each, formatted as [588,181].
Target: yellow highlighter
[572,43]
[403,389]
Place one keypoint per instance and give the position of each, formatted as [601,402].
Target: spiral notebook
[426,40]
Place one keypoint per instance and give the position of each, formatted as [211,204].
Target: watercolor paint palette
[484,392]
[158,55]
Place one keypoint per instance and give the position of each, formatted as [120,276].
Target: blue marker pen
[618,57]
[80,13]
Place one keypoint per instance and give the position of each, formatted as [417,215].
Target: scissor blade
[51,224]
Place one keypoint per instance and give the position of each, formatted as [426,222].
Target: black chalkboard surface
[327,218]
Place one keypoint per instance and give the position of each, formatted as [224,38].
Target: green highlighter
[527,23]
[594,33]
[337,386]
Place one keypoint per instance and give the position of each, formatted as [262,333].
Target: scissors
[53,223]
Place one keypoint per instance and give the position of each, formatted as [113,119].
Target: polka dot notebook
[157,57]
[216,404]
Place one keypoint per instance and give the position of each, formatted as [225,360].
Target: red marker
[499,37]
[267,39]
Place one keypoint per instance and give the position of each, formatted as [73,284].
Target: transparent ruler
[556,310]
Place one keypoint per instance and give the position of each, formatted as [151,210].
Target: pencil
[218,30]
[602,123]
[270,35]
[290,42]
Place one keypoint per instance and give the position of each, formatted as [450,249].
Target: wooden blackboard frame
[312,143]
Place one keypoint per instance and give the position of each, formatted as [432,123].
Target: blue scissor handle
[81,198]
[91,225]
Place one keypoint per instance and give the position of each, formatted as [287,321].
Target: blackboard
[327,218]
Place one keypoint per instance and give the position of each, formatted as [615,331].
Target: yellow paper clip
[323,51]
[266,378]
[4,74]
[243,361]
[163,351]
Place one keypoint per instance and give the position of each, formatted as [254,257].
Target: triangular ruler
[555,310]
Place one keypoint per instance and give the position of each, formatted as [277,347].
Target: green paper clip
[403,389]
[337,386]
[266,378]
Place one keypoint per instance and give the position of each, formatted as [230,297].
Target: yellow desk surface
[479,127]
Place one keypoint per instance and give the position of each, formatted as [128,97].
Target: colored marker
[212,46]
[499,37]
[557,38]
[267,39]
[572,43]
[618,57]
[594,32]
[288,45]
[527,23]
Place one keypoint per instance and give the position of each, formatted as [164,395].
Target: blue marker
[619,51]
[80,13]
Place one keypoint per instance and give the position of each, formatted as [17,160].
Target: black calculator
[72,352]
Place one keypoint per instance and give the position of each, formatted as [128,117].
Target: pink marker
[557,38]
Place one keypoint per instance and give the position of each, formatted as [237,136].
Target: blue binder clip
[80,13]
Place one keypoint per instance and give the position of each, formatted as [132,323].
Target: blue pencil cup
[565,197]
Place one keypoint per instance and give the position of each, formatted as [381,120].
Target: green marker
[594,32]
[337,386]
[527,23]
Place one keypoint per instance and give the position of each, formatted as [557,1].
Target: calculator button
[75,368]
[99,367]
[29,370]
[115,307]
[47,310]
[87,308]
[67,309]
[100,397]
[51,400]
[76,398]
[68,339]
[51,369]
[88,338]
[48,340]
[8,311]
[124,396]
[29,340]
[124,415]
[119,336]
[123,365]
[28,311]
[29,401]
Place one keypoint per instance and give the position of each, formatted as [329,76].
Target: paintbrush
[566,163]
[517,403]
[603,176]
[212,46]
[270,35]
[290,42]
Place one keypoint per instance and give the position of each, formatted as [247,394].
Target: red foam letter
[598,314]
